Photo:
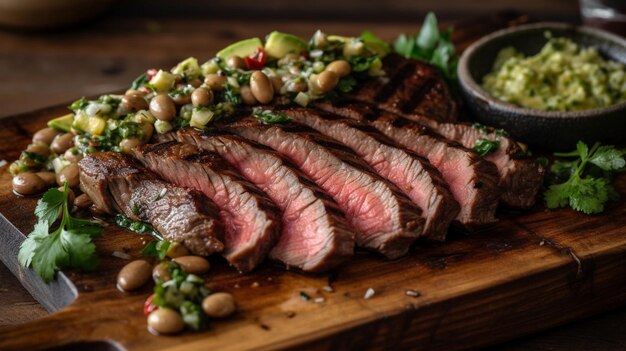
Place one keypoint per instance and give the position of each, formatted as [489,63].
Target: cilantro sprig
[69,245]
[430,45]
[587,186]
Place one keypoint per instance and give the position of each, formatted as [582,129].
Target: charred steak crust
[251,221]
[116,183]
[402,92]
[409,87]
[472,180]
[315,236]
[385,219]
[411,173]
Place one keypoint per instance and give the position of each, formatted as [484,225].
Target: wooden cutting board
[531,271]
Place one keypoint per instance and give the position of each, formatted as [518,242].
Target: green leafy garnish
[588,178]
[79,104]
[269,116]
[69,245]
[484,146]
[430,45]
[140,81]
[156,249]
[136,226]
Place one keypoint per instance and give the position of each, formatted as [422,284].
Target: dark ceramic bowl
[551,130]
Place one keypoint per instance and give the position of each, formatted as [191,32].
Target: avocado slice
[63,123]
[279,44]
[241,48]
[89,124]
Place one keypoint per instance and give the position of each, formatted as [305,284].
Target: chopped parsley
[584,182]
[484,147]
[136,226]
[156,249]
[269,116]
[69,245]
[140,81]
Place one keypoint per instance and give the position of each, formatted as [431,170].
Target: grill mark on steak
[410,87]
[384,218]
[116,183]
[409,172]
[315,235]
[472,180]
[250,219]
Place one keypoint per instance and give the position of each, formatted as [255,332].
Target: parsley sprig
[430,45]
[588,178]
[69,245]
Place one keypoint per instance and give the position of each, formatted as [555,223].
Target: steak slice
[409,87]
[315,235]
[385,219]
[406,88]
[521,177]
[472,180]
[412,174]
[116,183]
[251,224]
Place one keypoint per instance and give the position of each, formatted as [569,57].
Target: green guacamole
[561,77]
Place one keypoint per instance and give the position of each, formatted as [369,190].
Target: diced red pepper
[256,60]
[152,72]
[148,306]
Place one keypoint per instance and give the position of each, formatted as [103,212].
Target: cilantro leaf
[69,245]
[156,249]
[49,256]
[49,206]
[608,158]
[28,246]
[80,249]
[588,195]
[587,187]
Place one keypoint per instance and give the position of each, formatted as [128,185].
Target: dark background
[45,67]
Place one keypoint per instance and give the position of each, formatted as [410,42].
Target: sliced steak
[472,180]
[251,221]
[385,219]
[409,87]
[116,183]
[404,90]
[315,235]
[412,174]
[520,176]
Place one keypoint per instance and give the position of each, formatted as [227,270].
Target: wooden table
[40,69]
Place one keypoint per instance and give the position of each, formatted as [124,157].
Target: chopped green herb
[136,226]
[346,84]
[156,249]
[269,116]
[140,81]
[587,186]
[69,245]
[484,147]
[79,104]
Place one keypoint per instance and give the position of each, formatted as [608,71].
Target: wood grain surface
[531,271]
[96,59]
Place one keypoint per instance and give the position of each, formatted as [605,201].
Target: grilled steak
[118,184]
[409,87]
[472,180]
[251,223]
[412,174]
[315,235]
[384,218]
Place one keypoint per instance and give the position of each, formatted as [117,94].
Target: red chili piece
[256,60]
[148,306]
